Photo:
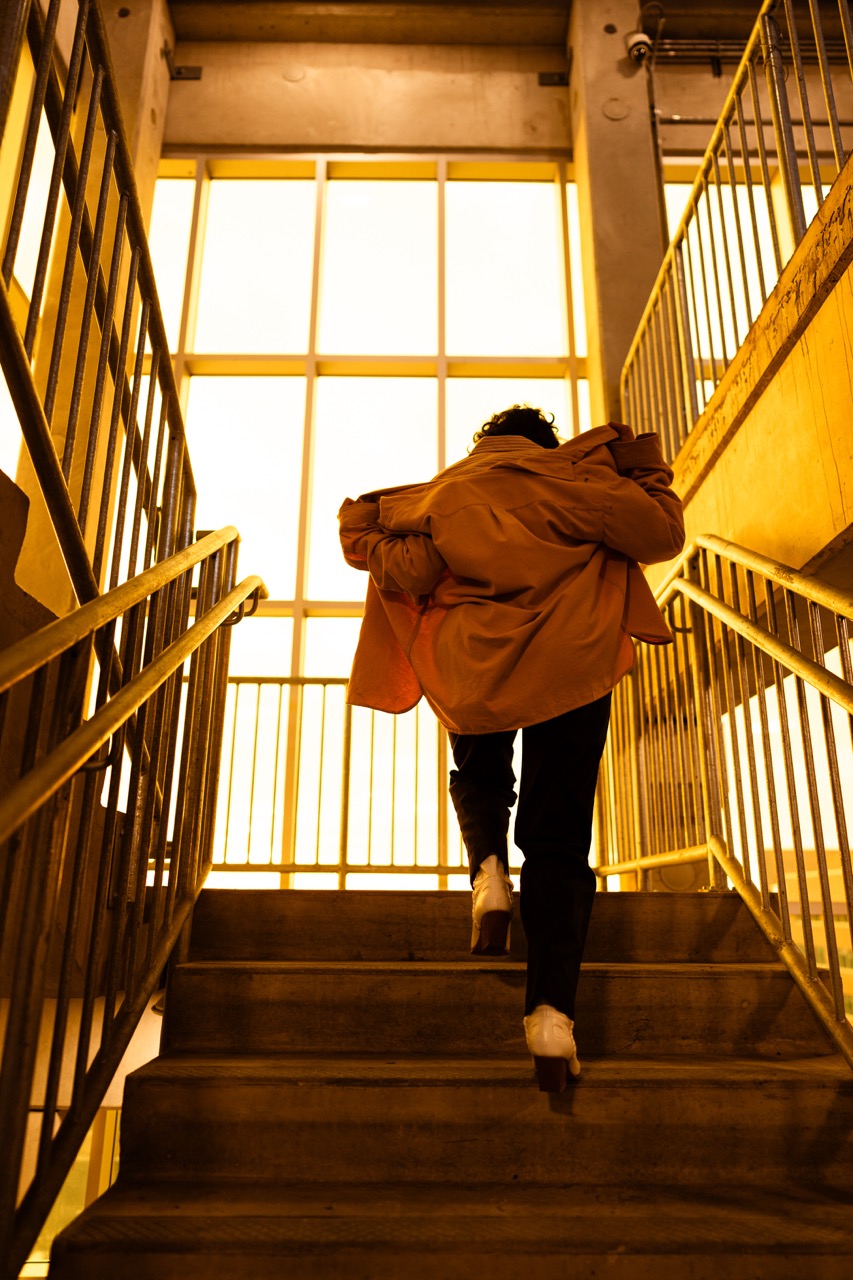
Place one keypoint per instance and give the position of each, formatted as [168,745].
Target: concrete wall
[368,97]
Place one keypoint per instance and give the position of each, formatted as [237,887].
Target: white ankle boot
[492,909]
[551,1041]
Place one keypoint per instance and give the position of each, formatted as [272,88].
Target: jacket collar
[578,447]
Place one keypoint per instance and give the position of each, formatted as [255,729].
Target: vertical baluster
[13,20]
[765,167]
[60,142]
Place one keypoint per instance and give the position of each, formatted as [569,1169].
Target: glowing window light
[576,257]
[255,290]
[329,646]
[505,280]
[10,432]
[380,268]
[169,240]
[262,649]
[370,433]
[472,401]
[245,440]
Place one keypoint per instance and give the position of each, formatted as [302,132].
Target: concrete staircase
[343,1092]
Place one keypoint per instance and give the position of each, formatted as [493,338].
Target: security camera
[639,46]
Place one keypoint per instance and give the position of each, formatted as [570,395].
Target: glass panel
[584,410]
[261,647]
[10,432]
[34,210]
[379,290]
[169,241]
[472,401]
[576,258]
[505,290]
[245,441]
[255,292]
[329,646]
[371,433]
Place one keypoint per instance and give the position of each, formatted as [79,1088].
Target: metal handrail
[732,240]
[95,895]
[21,659]
[33,790]
[714,745]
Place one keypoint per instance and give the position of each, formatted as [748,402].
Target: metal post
[785,149]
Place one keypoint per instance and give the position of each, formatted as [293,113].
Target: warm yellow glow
[255,292]
[10,432]
[576,259]
[169,240]
[243,880]
[472,401]
[34,209]
[261,646]
[370,433]
[584,411]
[504,275]
[394,788]
[329,646]
[379,283]
[714,328]
[245,439]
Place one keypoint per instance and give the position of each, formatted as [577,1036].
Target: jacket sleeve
[644,519]
[396,561]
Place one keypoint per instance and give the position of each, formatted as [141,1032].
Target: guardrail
[95,798]
[771,158]
[319,792]
[734,744]
[106,439]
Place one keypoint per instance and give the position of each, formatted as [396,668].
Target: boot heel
[492,937]
[552,1074]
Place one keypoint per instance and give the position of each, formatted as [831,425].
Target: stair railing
[746,213]
[106,829]
[83,345]
[735,744]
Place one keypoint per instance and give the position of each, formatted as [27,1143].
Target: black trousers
[553,829]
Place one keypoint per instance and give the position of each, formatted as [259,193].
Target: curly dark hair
[521,420]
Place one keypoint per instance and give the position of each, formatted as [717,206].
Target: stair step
[475,1007]
[642,928]
[200,1232]
[694,1122]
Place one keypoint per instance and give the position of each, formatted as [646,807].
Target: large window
[341,325]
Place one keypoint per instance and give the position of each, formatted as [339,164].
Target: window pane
[169,239]
[10,432]
[576,256]
[505,282]
[260,646]
[329,646]
[472,401]
[255,292]
[380,268]
[245,440]
[584,411]
[371,433]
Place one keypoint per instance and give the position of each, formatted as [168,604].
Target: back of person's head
[521,420]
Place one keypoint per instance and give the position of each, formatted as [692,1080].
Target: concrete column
[615,168]
[137,32]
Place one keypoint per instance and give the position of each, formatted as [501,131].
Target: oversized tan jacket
[506,590]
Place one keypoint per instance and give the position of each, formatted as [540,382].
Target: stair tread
[380,1070]
[573,1219]
[680,968]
